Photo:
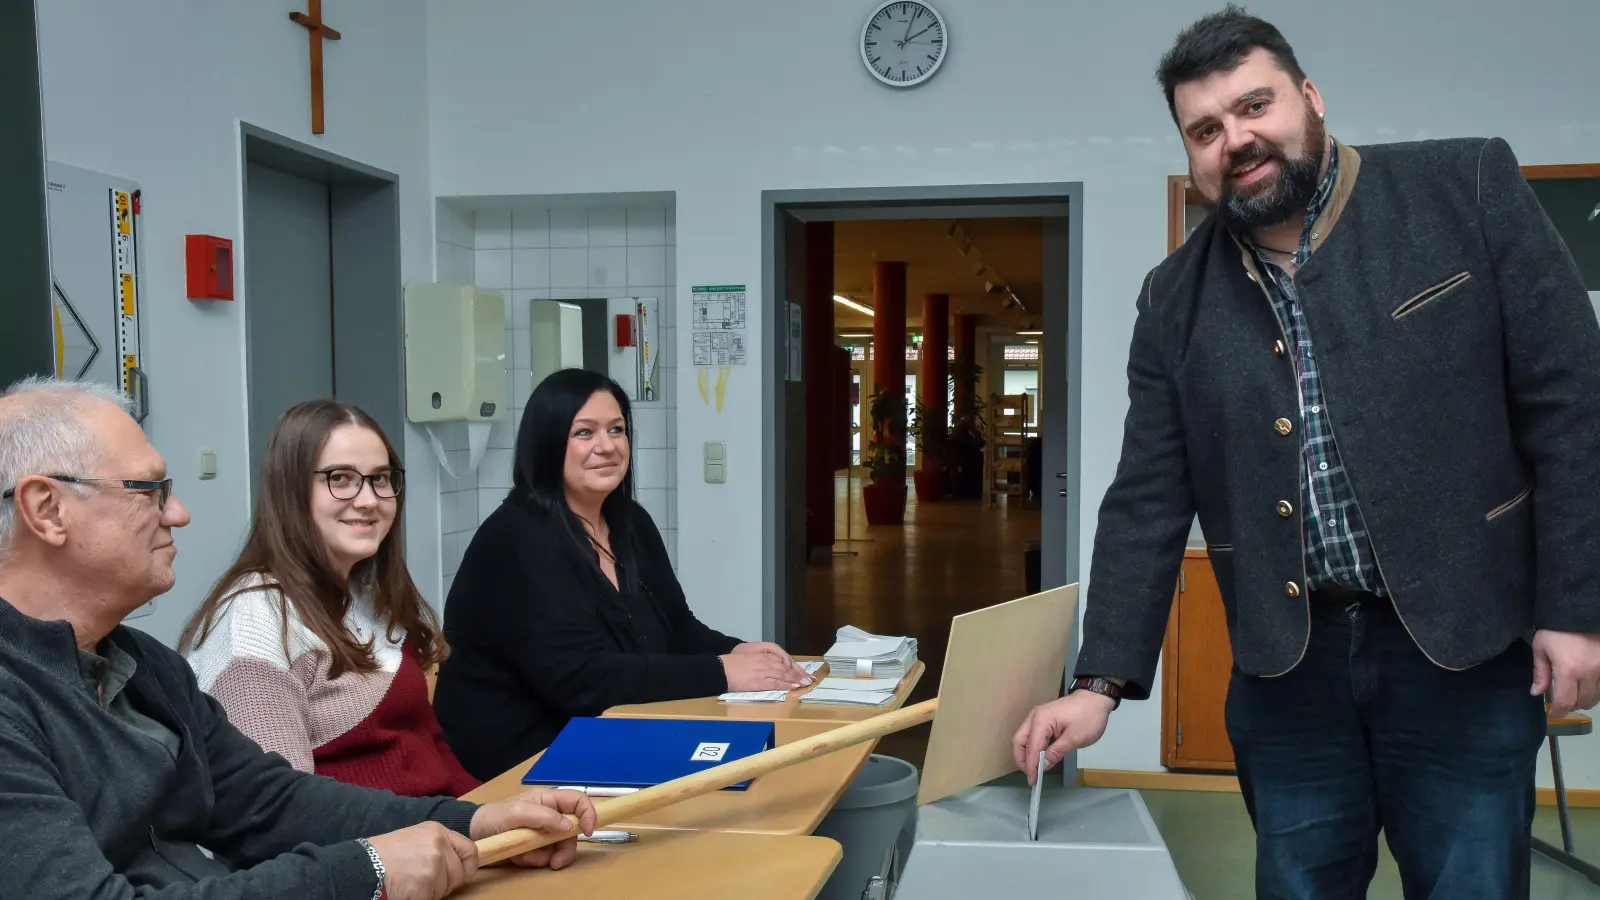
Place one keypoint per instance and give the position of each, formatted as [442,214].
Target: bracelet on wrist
[377,867]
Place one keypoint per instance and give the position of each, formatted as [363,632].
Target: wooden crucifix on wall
[312,22]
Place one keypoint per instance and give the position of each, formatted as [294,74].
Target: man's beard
[1274,202]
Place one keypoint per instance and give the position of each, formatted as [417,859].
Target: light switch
[716,462]
[208,465]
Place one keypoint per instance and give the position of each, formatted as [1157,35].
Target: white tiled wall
[458,497]
[536,252]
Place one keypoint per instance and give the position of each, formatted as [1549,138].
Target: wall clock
[904,42]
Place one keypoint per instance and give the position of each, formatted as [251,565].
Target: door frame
[1061,200]
[368,296]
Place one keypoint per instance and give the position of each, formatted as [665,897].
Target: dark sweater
[538,635]
[91,806]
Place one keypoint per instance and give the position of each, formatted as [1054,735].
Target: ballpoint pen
[599,791]
[609,837]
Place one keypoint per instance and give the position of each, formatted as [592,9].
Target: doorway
[1570,195]
[321,258]
[790,220]
[25,329]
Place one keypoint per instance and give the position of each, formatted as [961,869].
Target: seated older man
[115,769]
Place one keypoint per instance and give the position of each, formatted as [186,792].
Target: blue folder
[639,753]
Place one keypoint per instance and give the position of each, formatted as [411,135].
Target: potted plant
[884,496]
[969,434]
[932,439]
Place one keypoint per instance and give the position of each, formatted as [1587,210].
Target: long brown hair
[286,550]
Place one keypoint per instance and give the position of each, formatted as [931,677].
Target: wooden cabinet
[1196,664]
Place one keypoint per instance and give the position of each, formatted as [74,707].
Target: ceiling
[1012,248]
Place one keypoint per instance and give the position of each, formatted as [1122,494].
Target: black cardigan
[538,635]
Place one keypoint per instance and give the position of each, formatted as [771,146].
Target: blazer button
[1277,348]
[1292,589]
[1283,426]
[1285,509]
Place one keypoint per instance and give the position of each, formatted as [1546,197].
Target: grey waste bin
[873,823]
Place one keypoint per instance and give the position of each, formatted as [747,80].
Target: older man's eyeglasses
[346,484]
[162,489]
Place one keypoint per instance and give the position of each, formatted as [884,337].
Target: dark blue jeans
[1367,734]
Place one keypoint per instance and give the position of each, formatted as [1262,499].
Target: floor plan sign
[94,267]
[75,347]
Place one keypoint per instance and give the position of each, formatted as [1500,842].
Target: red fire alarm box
[209,263]
[627,330]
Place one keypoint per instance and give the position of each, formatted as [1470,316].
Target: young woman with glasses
[315,641]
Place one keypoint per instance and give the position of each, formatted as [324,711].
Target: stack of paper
[811,668]
[852,691]
[859,653]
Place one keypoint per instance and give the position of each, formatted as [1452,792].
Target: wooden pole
[518,841]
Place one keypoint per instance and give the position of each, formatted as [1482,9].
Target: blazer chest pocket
[1509,505]
[1432,294]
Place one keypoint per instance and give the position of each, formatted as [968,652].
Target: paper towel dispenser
[456,357]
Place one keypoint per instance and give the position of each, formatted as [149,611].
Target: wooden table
[787,709]
[790,801]
[674,865]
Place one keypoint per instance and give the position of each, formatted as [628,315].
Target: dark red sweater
[399,747]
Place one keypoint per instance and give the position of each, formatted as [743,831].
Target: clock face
[903,42]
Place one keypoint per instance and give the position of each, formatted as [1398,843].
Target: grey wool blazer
[1460,360]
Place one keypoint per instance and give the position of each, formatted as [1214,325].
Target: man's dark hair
[1219,43]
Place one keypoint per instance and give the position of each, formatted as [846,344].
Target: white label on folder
[863,668]
[709,753]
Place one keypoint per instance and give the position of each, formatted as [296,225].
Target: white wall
[458,496]
[685,98]
[155,91]
[544,249]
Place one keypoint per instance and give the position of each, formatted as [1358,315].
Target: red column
[933,387]
[817,375]
[966,355]
[889,346]
[932,395]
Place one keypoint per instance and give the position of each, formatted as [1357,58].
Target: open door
[1060,392]
[1058,505]
[788,548]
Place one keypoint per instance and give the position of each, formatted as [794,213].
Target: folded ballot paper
[864,655]
[811,668]
[852,691]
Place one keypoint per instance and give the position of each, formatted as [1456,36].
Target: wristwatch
[1102,686]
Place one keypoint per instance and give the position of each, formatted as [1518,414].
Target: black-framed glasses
[346,484]
[162,489]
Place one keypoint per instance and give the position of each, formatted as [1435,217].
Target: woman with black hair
[566,604]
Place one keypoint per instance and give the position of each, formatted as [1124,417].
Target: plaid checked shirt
[1338,549]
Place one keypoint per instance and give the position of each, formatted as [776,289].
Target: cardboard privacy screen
[1002,661]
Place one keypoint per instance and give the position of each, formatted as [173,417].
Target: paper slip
[1033,800]
[812,667]
[847,698]
[860,684]
[884,648]
[852,633]
[753,696]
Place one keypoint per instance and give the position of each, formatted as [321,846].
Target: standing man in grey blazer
[1373,374]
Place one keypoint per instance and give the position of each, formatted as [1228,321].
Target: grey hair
[43,432]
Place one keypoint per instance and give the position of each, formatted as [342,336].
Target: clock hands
[917,35]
